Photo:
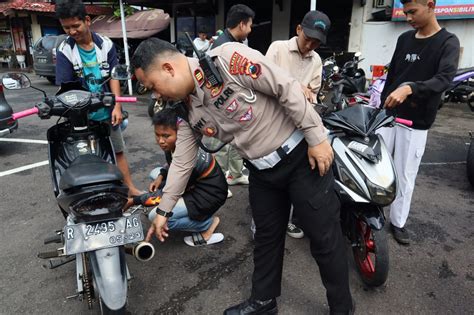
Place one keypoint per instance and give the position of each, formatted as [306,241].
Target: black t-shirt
[431,64]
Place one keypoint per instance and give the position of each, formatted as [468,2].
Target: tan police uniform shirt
[307,70]
[256,110]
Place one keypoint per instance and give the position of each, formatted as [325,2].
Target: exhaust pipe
[142,251]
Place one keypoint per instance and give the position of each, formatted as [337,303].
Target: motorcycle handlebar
[405,122]
[25,113]
[125,99]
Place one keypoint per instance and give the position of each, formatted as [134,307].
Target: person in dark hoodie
[423,65]
[205,193]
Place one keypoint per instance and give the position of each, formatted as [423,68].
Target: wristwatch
[163,213]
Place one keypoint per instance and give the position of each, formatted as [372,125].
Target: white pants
[407,147]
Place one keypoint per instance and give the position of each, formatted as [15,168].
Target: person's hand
[159,227]
[308,94]
[117,117]
[322,155]
[128,204]
[398,96]
[156,183]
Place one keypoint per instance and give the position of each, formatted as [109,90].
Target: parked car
[44,56]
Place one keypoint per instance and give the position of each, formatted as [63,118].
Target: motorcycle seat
[89,169]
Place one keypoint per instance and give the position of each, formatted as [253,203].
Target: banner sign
[445,10]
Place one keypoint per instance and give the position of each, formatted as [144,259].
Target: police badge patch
[247,116]
[232,107]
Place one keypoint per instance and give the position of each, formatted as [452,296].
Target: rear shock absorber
[87,293]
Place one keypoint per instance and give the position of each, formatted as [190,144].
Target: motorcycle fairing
[359,119]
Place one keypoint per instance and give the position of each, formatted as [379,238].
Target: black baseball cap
[316,25]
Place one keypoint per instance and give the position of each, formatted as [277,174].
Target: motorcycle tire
[470,101]
[104,310]
[370,254]
[470,162]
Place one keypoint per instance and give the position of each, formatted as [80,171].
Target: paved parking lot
[435,275]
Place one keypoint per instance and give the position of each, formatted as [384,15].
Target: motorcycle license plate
[85,237]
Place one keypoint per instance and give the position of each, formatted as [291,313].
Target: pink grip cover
[24,113]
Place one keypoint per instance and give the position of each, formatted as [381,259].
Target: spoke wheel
[370,253]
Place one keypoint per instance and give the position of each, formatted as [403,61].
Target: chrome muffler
[142,251]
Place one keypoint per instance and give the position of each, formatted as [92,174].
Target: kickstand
[58,262]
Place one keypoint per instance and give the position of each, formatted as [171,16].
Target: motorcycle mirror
[121,72]
[15,81]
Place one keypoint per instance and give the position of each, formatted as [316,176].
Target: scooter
[366,180]
[90,193]
[7,123]
[461,89]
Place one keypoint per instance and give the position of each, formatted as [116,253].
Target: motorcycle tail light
[101,203]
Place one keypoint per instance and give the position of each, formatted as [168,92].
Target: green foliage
[128,10]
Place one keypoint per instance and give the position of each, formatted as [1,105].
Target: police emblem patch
[199,77]
[247,116]
[241,65]
[209,131]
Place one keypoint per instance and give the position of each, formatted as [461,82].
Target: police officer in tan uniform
[266,117]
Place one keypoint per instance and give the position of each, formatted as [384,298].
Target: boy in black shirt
[205,193]
[423,64]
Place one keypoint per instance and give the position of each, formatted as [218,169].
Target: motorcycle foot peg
[57,238]
[48,255]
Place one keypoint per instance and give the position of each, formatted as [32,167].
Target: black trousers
[316,204]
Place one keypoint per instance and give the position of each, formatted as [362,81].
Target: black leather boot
[253,307]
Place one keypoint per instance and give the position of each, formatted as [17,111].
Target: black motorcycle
[343,87]
[7,123]
[90,193]
[461,90]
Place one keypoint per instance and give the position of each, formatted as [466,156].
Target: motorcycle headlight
[348,181]
[101,203]
[380,195]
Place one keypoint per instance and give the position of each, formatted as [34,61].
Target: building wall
[35,28]
[377,40]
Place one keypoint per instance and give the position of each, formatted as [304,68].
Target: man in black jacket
[423,64]
[238,25]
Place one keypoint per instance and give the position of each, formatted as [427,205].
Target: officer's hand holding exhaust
[322,155]
[159,227]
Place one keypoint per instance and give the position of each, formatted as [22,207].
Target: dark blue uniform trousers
[317,207]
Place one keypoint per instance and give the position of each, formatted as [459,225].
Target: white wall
[377,40]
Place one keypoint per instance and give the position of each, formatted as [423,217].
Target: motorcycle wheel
[470,162]
[370,251]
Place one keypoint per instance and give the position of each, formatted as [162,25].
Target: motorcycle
[470,160]
[461,89]
[7,123]
[90,193]
[366,181]
[344,87]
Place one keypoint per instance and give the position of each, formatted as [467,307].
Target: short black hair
[66,9]
[238,13]
[148,50]
[423,1]
[166,117]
